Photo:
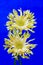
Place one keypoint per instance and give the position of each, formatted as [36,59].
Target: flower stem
[14,61]
[19,60]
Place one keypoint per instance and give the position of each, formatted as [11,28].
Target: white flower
[18,45]
[24,21]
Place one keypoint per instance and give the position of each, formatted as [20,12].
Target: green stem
[14,61]
[19,60]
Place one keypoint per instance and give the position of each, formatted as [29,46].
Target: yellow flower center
[19,44]
[20,21]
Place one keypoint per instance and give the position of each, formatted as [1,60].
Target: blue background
[35,6]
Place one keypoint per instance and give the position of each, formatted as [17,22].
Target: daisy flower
[21,20]
[18,46]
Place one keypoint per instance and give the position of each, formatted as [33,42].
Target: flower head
[23,21]
[18,46]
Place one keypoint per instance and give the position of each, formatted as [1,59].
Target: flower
[22,21]
[18,46]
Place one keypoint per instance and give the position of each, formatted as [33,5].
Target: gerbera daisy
[23,21]
[18,46]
